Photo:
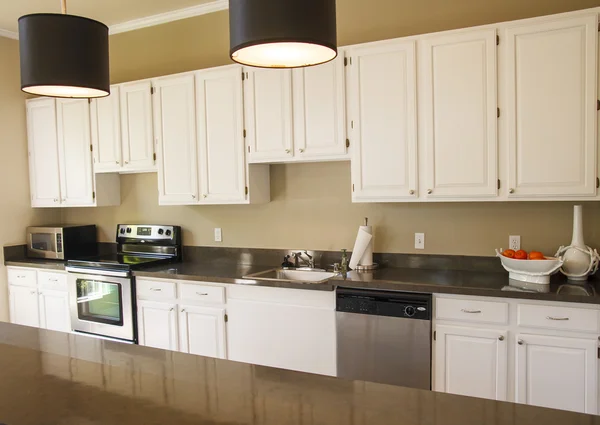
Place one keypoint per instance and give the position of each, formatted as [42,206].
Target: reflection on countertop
[56,378]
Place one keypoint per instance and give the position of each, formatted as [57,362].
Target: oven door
[101,303]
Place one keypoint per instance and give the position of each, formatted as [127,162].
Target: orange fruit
[509,253]
[521,255]
[536,255]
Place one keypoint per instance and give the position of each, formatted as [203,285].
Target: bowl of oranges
[531,266]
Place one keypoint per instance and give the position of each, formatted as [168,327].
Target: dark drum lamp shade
[63,56]
[282,33]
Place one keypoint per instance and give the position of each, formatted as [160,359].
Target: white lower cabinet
[557,372]
[157,324]
[202,331]
[24,306]
[54,310]
[471,362]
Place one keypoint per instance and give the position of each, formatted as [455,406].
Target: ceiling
[110,12]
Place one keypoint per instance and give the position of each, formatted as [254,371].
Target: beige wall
[311,206]
[15,207]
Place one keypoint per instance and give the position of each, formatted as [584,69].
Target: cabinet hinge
[152,90]
[347,143]
[434,335]
[598,27]
[598,105]
[352,124]
[91,148]
[93,195]
[248,149]
[226,318]
[246,190]
[497,40]
[243,76]
[244,133]
[599,352]
[90,101]
[352,187]
[498,112]
[154,157]
[498,183]
[345,61]
[597,182]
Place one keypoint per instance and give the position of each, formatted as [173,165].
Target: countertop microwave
[61,242]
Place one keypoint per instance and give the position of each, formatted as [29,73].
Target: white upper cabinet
[175,129]
[458,99]
[550,71]
[136,126]
[44,176]
[74,152]
[471,362]
[268,114]
[557,372]
[106,132]
[202,331]
[319,111]
[220,120]
[382,110]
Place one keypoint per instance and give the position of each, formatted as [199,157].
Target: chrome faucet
[307,263]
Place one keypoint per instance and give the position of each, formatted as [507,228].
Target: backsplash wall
[311,208]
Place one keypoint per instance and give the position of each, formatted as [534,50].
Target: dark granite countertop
[56,378]
[424,280]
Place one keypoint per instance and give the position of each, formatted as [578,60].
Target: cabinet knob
[301,150]
[64,200]
[287,151]
[55,200]
[501,338]
[429,191]
[126,162]
[511,190]
[32,292]
[193,196]
[183,310]
[205,196]
[520,342]
[172,309]
[411,192]
[117,162]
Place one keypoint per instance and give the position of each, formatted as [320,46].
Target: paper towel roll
[362,246]
[367,258]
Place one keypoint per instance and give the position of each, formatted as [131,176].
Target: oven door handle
[97,272]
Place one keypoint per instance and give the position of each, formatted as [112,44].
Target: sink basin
[300,276]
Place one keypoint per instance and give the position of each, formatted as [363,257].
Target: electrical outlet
[218,235]
[419,240]
[514,242]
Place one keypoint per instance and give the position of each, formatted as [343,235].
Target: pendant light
[282,33]
[63,55]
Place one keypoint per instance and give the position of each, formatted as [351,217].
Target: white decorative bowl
[533,271]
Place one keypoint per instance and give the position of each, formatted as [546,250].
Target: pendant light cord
[63,6]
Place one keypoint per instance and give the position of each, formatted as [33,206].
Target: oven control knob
[161,231]
[168,232]
[409,311]
[122,230]
[129,230]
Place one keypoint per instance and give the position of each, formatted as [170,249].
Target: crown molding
[175,15]
[9,34]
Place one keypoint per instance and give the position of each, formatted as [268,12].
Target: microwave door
[43,245]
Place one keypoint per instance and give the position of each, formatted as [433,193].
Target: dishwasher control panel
[384,303]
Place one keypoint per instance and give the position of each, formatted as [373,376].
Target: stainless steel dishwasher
[384,336]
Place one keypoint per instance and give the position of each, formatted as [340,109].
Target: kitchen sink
[300,276]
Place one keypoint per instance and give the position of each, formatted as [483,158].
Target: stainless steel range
[102,288]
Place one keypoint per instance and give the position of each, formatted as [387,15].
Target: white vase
[580,259]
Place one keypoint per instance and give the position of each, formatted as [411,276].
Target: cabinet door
[282,335]
[44,177]
[157,325]
[221,135]
[556,372]
[175,129]
[471,362]
[268,114]
[74,152]
[106,132]
[319,111]
[551,109]
[136,127]
[382,105]
[24,306]
[460,117]
[54,310]
[202,331]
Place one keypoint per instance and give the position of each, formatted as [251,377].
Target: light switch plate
[218,234]
[419,240]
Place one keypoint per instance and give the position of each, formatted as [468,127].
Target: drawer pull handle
[464,310]
[156,289]
[201,293]
[20,276]
[53,280]
[557,318]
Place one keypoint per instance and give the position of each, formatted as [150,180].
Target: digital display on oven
[144,231]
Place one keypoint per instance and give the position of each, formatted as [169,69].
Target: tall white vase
[580,260]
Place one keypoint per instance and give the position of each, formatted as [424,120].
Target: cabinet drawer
[555,317]
[53,281]
[203,293]
[22,277]
[471,310]
[156,289]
